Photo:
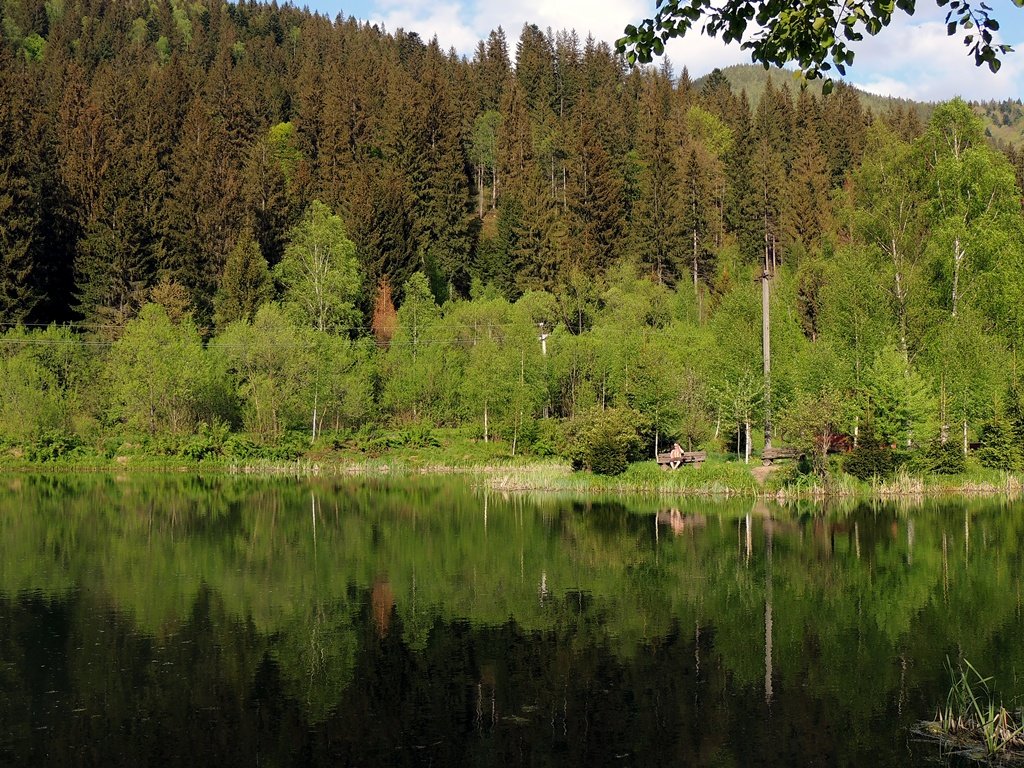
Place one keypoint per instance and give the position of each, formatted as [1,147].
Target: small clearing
[761,473]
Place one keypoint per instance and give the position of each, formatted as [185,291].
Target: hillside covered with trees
[228,228]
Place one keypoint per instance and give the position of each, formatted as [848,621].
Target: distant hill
[1004,120]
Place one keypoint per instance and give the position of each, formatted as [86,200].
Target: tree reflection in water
[236,622]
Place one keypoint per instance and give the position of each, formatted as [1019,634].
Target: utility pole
[766,348]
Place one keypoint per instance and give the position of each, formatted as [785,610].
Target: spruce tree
[844,131]
[769,165]
[806,215]
[205,211]
[244,285]
[596,199]
[494,69]
[655,234]
[21,287]
[535,71]
[743,202]
[267,199]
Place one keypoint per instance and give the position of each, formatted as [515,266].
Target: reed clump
[973,723]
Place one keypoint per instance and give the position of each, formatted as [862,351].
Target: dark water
[183,621]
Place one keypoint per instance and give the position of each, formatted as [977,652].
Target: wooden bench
[771,455]
[673,461]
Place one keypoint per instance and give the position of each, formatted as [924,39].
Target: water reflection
[187,620]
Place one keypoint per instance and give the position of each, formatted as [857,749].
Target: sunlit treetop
[816,35]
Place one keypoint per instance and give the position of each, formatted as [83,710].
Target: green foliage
[900,405]
[208,441]
[158,372]
[812,424]
[54,446]
[269,362]
[420,435]
[42,374]
[417,382]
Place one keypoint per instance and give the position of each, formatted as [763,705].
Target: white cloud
[915,58]
[605,20]
[700,54]
[442,19]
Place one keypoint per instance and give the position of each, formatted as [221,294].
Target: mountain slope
[1004,120]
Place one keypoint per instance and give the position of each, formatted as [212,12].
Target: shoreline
[726,480]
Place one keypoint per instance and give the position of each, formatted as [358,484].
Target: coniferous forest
[245,229]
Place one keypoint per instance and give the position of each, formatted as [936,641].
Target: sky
[912,58]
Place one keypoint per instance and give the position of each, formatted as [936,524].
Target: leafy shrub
[54,446]
[545,438]
[416,436]
[289,446]
[333,440]
[159,445]
[240,447]
[422,436]
[208,441]
[872,459]
[605,441]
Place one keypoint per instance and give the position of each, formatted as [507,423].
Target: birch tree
[319,272]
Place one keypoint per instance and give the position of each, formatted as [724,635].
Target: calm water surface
[185,621]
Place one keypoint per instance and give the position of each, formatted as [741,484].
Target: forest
[246,229]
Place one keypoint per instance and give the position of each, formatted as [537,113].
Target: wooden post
[767,354]
[768,657]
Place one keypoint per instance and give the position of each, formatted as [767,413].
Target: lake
[181,620]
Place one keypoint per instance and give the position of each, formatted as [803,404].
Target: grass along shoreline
[718,477]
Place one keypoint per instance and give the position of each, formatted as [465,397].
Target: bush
[872,459]
[545,440]
[333,439]
[54,446]
[415,436]
[208,441]
[289,447]
[605,442]
[240,447]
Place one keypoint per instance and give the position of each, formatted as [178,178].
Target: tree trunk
[480,188]
[766,346]
[485,423]
[747,439]
[959,255]
[315,401]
